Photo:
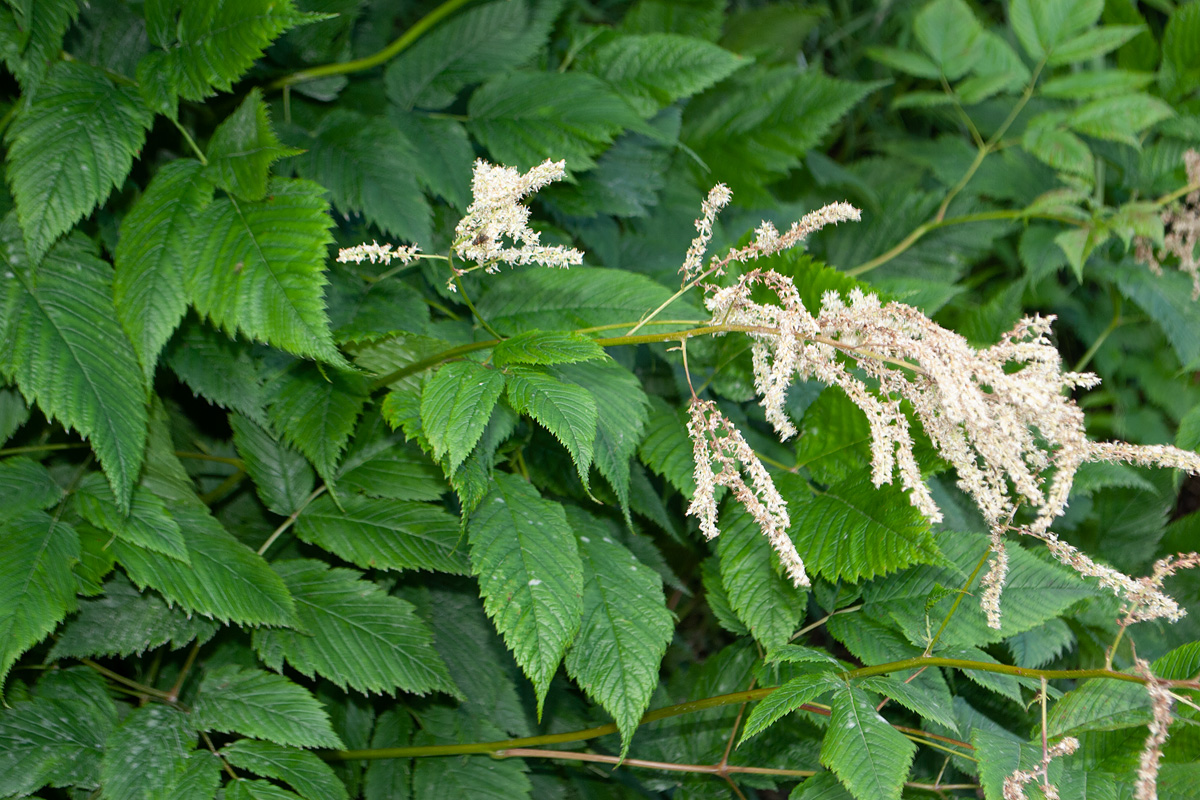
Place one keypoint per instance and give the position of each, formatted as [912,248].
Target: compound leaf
[626,626]
[258,268]
[148,285]
[456,404]
[69,148]
[869,756]
[565,409]
[311,777]
[530,575]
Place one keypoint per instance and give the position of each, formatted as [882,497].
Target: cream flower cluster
[377,253]
[1014,784]
[497,212]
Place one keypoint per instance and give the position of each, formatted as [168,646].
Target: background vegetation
[246,550]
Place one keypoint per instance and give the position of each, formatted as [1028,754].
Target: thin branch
[287,523]
[666,766]
[149,691]
[376,59]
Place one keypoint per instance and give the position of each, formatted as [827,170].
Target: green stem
[191,142]
[40,448]
[1115,323]
[644,338]
[382,57]
[719,701]
[919,232]
[957,601]
[287,523]
[467,300]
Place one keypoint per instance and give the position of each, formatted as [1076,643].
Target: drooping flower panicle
[1181,228]
[1001,415]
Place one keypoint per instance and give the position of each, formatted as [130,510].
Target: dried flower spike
[1181,224]
[1014,784]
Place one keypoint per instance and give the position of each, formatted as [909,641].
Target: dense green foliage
[276,526]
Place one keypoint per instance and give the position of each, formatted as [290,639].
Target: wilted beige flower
[497,212]
[717,441]
[1014,784]
[1161,701]
[1181,224]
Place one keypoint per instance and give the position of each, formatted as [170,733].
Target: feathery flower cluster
[1001,415]
[1181,222]
[376,253]
[1161,700]
[717,441]
[497,212]
[1014,784]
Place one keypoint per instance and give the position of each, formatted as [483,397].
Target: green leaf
[470,47]
[1093,43]
[621,415]
[253,702]
[546,347]
[521,116]
[787,698]
[222,578]
[905,61]
[822,786]
[1039,646]
[530,575]
[242,149]
[304,772]
[1096,83]
[1061,149]
[390,778]
[146,754]
[258,268]
[201,775]
[854,530]
[476,656]
[1078,244]
[148,523]
[369,167]
[386,534]
[1180,51]
[58,735]
[762,598]
[63,347]
[1042,25]
[869,756]
[148,285]
[913,697]
[395,471]
[31,36]
[125,622]
[1120,119]
[751,149]
[949,33]
[316,410]
[226,372]
[626,626]
[25,485]
[353,634]
[835,439]
[456,404]
[214,44]
[282,478]
[717,599]
[475,777]
[1167,299]
[37,588]
[1099,705]
[246,789]
[667,449]
[566,410]
[655,70]
[13,412]
[581,297]
[71,146]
